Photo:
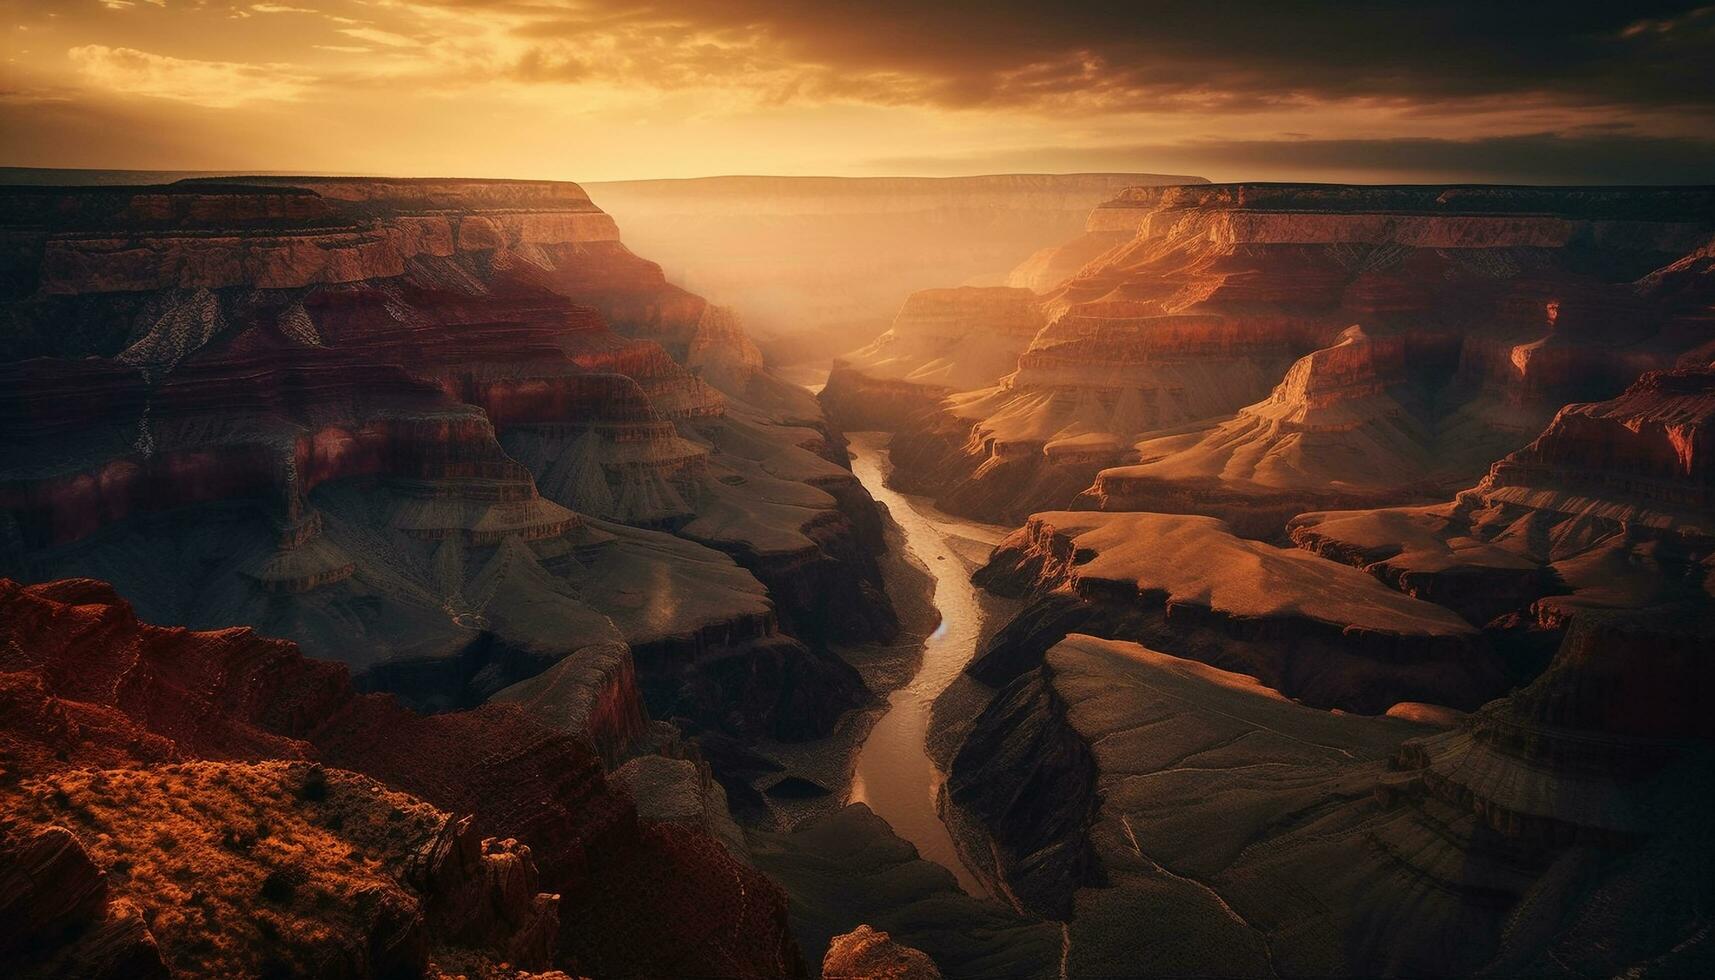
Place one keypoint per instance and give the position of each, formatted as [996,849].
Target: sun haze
[610,89]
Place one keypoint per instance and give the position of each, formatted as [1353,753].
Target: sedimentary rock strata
[1608,508]
[1307,626]
[1345,425]
[415,411]
[942,341]
[1210,346]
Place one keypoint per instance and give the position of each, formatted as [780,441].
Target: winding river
[895,775]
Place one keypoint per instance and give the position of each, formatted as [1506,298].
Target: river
[895,775]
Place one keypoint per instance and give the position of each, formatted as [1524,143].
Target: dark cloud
[1639,52]
[1537,158]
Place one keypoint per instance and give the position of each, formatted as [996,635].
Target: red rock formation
[1310,629]
[399,403]
[866,954]
[1608,508]
[1550,832]
[1506,301]
[1344,427]
[86,684]
[942,341]
[56,901]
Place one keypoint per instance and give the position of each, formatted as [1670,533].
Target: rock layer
[1307,626]
[1481,310]
[1236,833]
[410,408]
[1608,508]
[942,341]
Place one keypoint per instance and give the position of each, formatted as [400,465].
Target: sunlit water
[895,775]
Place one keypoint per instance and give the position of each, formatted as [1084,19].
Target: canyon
[1200,742]
[1205,360]
[404,577]
[817,261]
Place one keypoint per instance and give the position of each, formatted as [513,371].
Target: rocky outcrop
[846,871]
[1238,833]
[482,893]
[1482,310]
[130,705]
[1608,508]
[1031,782]
[594,692]
[1342,428]
[865,954]
[50,890]
[1308,627]
[669,790]
[230,882]
[410,408]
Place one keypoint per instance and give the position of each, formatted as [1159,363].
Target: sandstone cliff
[1490,307]
[1610,507]
[1306,626]
[449,416]
[942,341]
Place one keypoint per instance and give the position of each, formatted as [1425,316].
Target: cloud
[1241,88]
[215,84]
[386,38]
[1534,158]
[1102,56]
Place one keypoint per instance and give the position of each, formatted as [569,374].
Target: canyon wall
[1611,507]
[458,419]
[1204,745]
[1201,358]
[1209,825]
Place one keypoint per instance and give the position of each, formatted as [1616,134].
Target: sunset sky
[591,89]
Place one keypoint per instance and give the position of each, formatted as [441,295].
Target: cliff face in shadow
[1202,823]
[457,419]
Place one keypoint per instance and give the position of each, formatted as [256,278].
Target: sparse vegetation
[229,880]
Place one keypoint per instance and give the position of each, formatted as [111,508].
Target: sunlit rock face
[213,803]
[818,264]
[865,954]
[1609,508]
[1252,351]
[1190,819]
[456,419]
[1307,626]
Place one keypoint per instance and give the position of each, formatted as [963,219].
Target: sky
[1495,91]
